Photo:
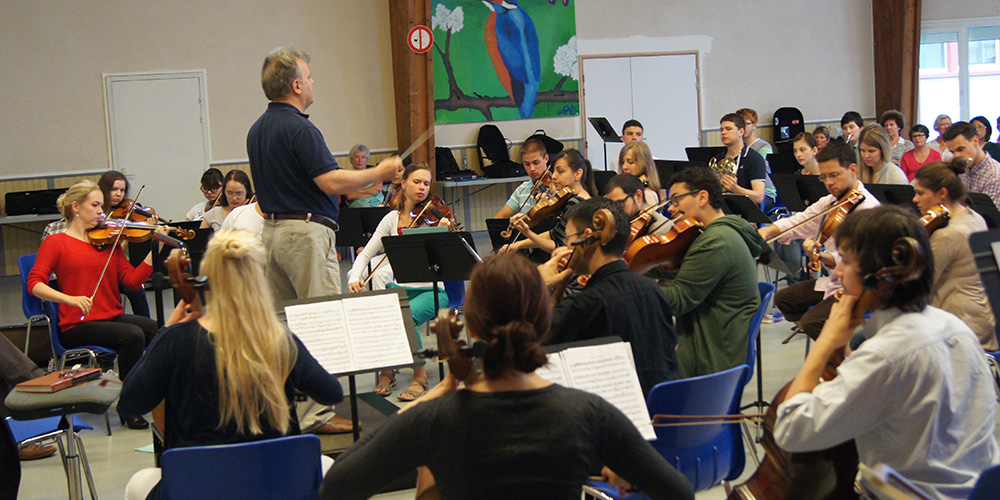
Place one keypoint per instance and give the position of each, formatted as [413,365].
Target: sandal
[410,394]
[385,390]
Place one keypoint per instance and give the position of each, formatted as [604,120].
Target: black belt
[309,217]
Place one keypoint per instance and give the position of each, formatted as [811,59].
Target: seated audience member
[983,174]
[852,123]
[957,287]
[751,177]
[808,303]
[371,195]
[874,153]
[894,123]
[631,132]
[762,147]
[230,375]
[536,162]
[822,136]
[211,188]
[805,149]
[637,160]
[509,433]
[237,191]
[916,395]
[628,191]
[714,293]
[570,170]
[984,131]
[614,301]
[941,123]
[920,155]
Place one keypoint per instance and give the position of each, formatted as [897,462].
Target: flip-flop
[409,394]
[387,388]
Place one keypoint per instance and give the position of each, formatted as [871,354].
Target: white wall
[52,54]
[816,56]
[942,10]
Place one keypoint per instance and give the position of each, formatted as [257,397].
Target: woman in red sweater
[100,321]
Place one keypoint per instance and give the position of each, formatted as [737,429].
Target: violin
[640,223]
[108,230]
[133,211]
[430,212]
[826,474]
[604,230]
[935,218]
[545,208]
[397,189]
[833,220]
[665,250]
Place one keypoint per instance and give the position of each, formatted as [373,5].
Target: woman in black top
[509,434]
[231,375]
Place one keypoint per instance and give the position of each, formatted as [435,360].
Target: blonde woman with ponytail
[511,433]
[231,374]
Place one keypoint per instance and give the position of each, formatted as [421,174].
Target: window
[959,70]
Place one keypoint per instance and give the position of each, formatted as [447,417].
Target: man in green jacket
[714,293]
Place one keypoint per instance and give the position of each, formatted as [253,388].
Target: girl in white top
[417,185]
[211,188]
[248,218]
[805,148]
[237,191]
[874,158]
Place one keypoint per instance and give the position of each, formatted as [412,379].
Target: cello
[665,250]
[827,474]
[604,230]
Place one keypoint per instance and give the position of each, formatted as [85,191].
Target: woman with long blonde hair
[230,375]
[875,157]
[637,159]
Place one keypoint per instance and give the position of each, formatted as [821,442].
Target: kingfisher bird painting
[522,63]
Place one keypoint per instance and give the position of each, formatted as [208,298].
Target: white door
[158,136]
[661,91]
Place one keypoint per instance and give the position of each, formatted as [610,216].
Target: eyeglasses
[621,202]
[234,194]
[918,136]
[676,199]
[831,176]
[216,188]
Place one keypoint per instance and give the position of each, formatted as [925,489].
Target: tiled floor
[114,459]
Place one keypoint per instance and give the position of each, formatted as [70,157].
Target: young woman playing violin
[211,188]
[916,395]
[237,191]
[957,286]
[229,374]
[509,433]
[115,187]
[90,308]
[417,185]
[571,170]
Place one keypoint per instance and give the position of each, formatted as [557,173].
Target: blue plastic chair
[282,468]
[41,430]
[456,293]
[766,291]
[987,485]
[705,454]
[31,305]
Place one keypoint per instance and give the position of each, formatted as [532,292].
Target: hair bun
[958,165]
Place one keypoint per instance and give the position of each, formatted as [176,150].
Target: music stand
[357,226]
[702,155]
[986,261]
[667,168]
[783,163]
[811,189]
[788,191]
[742,205]
[607,133]
[983,205]
[893,194]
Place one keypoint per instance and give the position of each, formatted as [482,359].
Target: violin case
[42,201]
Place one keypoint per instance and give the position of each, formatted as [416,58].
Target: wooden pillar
[896,30]
[413,77]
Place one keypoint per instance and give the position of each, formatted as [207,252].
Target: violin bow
[831,208]
[420,140]
[111,254]
[385,256]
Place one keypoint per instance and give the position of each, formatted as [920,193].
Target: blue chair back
[766,292]
[456,293]
[705,454]
[282,468]
[987,485]
[27,429]
[31,305]
[55,335]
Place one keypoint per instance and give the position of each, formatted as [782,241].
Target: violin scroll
[604,229]
[448,327]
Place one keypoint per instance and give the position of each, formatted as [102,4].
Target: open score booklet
[607,370]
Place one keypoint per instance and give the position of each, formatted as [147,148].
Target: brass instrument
[723,166]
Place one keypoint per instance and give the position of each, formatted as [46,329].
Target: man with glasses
[628,192]
[714,292]
[808,303]
[614,301]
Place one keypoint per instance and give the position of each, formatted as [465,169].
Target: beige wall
[941,10]
[54,52]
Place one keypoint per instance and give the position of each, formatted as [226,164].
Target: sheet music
[377,332]
[608,371]
[322,329]
[554,371]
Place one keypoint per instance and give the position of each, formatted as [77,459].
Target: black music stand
[893,194]
[702,155]
[667,168]
[742,205]
[788,191]
[986,261]
[811,189]
[358,224]
[607,133]
[983,205]
[433,257]
[411,335]
[783,163]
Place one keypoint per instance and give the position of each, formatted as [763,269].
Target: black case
[42,201]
